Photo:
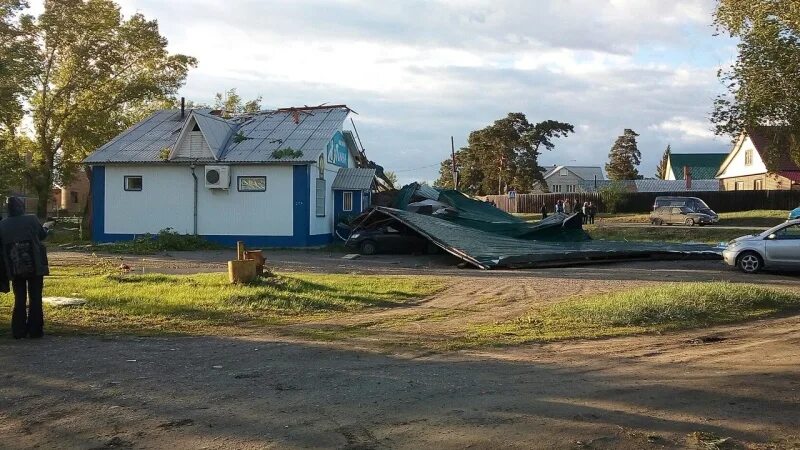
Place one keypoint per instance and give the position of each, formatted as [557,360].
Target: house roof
[356,179]
[768,140]
[245,139]
[584,172]
[704,166]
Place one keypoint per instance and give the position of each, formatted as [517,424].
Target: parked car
[778,248]
[668,215]
[693,203]
[394,238]
[794,214]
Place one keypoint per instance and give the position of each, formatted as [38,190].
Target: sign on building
[337,150]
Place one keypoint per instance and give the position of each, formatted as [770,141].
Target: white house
[745,168]
[265,179]
[567,179]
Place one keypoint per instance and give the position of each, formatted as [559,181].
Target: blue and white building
[266,179]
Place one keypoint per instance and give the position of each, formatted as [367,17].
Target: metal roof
[584,172]
[251,139]
[356,179]
[654,185]
[703,166]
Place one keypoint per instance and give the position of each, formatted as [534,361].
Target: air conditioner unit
[218,177]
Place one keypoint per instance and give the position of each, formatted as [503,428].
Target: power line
[418,168]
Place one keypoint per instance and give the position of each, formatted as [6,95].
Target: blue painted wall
[338,205]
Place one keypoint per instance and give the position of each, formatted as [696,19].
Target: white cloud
[685,128]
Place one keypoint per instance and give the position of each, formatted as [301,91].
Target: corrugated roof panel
[354,178]
[265,133]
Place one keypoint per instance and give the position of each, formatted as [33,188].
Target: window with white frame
[556,188]
[563,173]
[748,157]
[347,201]
[758,185]
[740,185]
[133,183]
[320,197]
[570,188]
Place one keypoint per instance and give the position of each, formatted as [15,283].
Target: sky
[418,72]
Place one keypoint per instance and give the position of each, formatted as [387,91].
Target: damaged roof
[245,139]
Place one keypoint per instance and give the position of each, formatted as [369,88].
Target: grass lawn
[757,218]
[709,234]
[660,308]
[208,304]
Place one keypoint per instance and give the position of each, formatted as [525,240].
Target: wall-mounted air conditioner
[218,177]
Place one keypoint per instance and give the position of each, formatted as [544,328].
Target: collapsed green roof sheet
[488,250]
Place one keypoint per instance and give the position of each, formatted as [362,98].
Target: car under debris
[489,238]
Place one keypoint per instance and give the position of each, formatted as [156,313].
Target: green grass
[709,235]
[208,304]
[757,218]
[665,307]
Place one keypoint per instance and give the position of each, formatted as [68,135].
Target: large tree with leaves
[661,170]
[231,103]
[95,73]
[624,157]
[763,84]
[503,154]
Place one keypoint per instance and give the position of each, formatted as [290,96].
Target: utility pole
[453,162]
[500,178]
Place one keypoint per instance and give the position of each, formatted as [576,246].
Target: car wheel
[659,222]
[749,262]
[689,222]
[368,248]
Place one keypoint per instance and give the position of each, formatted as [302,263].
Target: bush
[166,240]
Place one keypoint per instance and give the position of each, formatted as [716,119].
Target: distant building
[701,166]
[569,179]
[70,199]
[744,169]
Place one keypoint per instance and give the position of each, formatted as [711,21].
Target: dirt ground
[738,386]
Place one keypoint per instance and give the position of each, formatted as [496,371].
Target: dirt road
[680,390]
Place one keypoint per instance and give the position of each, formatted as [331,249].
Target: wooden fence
[640,202]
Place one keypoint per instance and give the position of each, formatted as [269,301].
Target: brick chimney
[687,175]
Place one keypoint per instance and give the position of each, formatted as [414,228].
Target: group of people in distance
[587,211]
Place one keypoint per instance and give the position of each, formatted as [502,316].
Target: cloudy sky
[418,71]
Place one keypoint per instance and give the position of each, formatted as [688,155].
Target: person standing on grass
[544,211]
[25,260]
[592,210]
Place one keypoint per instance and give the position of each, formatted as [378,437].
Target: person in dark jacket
[25,260]
[544,211]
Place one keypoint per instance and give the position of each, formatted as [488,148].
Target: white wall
[230,212]
[737,168]
[166,201]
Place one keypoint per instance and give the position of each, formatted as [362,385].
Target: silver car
[776,248]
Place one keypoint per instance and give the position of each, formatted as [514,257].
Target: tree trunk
[44,191]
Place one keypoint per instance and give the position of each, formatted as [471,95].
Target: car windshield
[701,204]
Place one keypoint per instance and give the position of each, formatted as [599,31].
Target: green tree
[17,65]
[95,73]
[661,170]
[624,157]
[231,103]
[503,154]
[763,84]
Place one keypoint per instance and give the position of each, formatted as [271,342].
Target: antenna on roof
[183,107]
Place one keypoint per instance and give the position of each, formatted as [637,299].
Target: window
[252,184]
[571,188]
[320,197]
[563,172]
[347,201]
[748,157]
[556,188]
[73,197]
[790,232]
[133,183]
[740,185]
[758,185]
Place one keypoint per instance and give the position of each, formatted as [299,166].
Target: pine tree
[661,170]
[624,157]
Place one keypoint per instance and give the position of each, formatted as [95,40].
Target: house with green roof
[701,166]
